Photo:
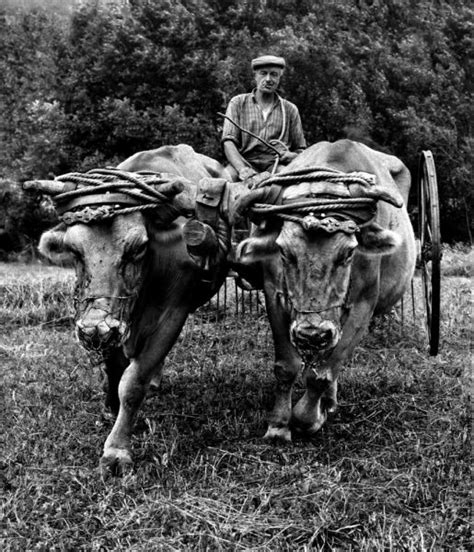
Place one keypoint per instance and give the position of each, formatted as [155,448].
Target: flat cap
[268,60]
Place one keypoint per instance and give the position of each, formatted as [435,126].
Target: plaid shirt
[246,112]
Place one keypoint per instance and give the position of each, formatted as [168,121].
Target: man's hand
[288,156]
[246,172]
[258,180]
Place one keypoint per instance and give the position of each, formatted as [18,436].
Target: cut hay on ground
[390,470]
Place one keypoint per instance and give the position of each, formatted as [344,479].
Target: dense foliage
[90,89]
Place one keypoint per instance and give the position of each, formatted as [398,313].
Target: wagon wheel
[430,245]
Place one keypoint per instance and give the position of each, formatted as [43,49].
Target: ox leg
[156,378]
[132,389]
[115,365]
[286,368]
[279,418]
[133,386]
[320,398]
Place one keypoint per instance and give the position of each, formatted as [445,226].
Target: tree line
[92,87]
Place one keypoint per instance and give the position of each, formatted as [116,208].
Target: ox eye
[75,253]
[346,256]
[137,253]
[141,250]
[286,256]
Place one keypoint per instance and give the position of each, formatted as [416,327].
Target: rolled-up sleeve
[230,131]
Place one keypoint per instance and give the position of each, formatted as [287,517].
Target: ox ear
[250,253]
[52,247]
[375,240]
[256,248]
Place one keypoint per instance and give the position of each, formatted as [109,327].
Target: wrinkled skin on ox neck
[110,257]
[316,278]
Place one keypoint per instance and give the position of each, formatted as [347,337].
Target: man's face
[268,78]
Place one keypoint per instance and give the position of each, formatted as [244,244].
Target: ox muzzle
[311,334]
[98,329]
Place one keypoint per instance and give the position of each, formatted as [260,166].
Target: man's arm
[237,161]
[231,140]
[297,139]
[297,142]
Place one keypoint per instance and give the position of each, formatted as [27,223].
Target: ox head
[310,258]
[110,257]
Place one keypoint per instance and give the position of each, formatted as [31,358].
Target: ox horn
[240,198]
[383,193]
[237,198]
[200,238]
[244,201]
[171,188]
[185,199]
[49,187]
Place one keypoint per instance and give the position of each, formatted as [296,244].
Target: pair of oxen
[331,246]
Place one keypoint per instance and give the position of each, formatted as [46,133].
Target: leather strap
[208,200]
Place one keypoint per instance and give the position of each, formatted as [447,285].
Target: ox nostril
[303,334]
[306,336]
[103,329]
[322,338]
[305,331]
[85,330]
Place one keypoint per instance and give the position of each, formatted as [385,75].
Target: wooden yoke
[204,235]
[200,238]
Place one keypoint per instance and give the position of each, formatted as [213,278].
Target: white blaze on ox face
[109,265]
[316,268]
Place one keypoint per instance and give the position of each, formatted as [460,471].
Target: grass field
[389,471]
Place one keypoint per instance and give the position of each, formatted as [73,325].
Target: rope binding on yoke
[321,174]
[105,193]
[331,209]
[330,215]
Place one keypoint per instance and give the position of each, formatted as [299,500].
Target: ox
[325,274]
[136,283]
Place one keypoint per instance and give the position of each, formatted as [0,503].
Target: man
[265,114]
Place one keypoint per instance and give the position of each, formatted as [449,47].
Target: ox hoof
[331,408]
[116,462]
[308,427]
[154,386]
[282,434]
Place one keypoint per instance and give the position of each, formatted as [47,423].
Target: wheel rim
[430,242]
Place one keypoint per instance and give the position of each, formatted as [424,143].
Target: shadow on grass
[388,471]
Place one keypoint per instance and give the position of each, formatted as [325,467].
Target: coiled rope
[330,214]
[320,174]
[349,209]
[106,193]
